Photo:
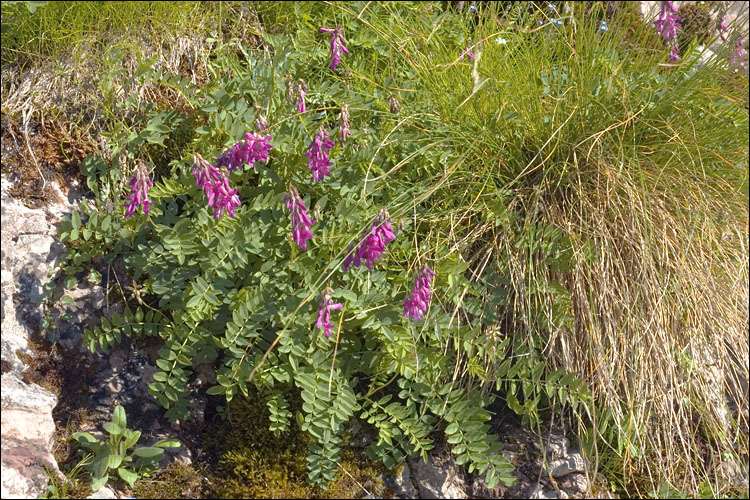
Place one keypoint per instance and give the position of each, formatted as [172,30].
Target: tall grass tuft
[637,169]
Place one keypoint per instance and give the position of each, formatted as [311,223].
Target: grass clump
[610,189]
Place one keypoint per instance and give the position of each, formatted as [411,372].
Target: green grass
[642,167]
[55,29]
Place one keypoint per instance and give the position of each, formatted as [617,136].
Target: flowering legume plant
[291,281]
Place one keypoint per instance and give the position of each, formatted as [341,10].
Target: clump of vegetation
[581,199]
[177,480]
[115,454]
[252,461]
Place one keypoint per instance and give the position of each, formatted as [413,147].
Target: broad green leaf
[119,417]
[149,452]
[128,476]
[112,428]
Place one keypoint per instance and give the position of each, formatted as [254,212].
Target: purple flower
[337,46]
[301,222]
[301,94]
[738,57]
[260,120]
[723,29]
[139,191]
[393,103]
[324,312]
[666,26]
[344,122]
[214,183]
[319,161]
[468,53]
[249,150]
[416,304]
[372,244]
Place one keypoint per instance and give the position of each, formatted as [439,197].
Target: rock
[574,462]
[557,446]
[401,483]
[27,438]
[574,483]
[479,489]
[29,251]
[104,492]
[542,493]
[440,477]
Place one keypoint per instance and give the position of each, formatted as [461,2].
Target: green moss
[177,480]
[42,367]
[254,463]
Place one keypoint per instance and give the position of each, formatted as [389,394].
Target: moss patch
[177,480]
[253,463]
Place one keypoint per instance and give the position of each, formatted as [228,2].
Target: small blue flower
[556,21]
[603,25]
[551,6]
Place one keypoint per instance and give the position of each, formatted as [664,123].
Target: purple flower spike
[139,185]
[337,46]
[468,53]
[214,183]
[324,313]
[319,160]
[738,57]
[249,150]
[416,305]
[301,94]
[667,25]
[301,222]
[372,244]
[723,30]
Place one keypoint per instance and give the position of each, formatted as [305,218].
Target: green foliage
[479,168]
[129,324]
[70,486]
[101,456]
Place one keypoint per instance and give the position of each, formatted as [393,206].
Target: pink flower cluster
[301,94]
[324,312]
[337,46]
[249,150]
[416,305]
[723,30]
[666,26]
[214,183]
[139,191]
[319,160]
[298,92]
[738,56]
[301,222]
[372,244]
